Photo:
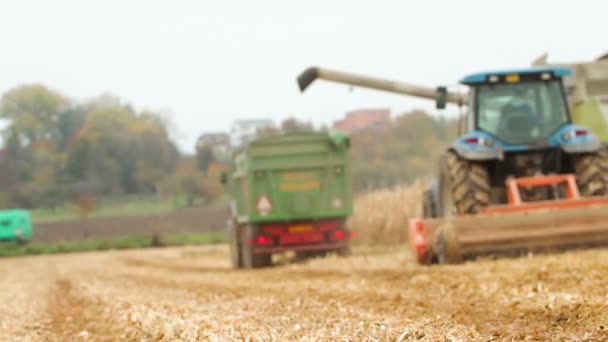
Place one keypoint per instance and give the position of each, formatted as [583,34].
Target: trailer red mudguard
[322,235]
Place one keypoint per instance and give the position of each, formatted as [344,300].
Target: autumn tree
[33,110]
[127,152]
[204,157]
[30,161]
[53,146]
[407,149]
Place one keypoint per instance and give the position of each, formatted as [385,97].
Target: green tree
[127,152]
[55,148]
[204,157]
[34,111]
[405,150]
[68,124]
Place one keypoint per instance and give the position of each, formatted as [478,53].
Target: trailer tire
[466,183]
[307,255]
[21,241]
[236,259]
[448,246]
[249,259]
[344,252]
[592,172]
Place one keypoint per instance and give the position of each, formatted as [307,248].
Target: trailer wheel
[303,256]
[236,259]
[21,241]
[448,247]
[464,186]
[345,252]
[592,172]
[249,259]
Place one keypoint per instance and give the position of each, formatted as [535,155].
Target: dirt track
[191,294]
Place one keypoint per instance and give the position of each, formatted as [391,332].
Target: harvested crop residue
[190,294]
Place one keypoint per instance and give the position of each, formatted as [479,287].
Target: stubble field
[190,294]
[376,294]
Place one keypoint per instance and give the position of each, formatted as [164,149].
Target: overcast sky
[208,63]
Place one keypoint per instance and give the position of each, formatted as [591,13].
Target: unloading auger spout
[311,74]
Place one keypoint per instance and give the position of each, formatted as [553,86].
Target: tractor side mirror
[224,178]
[441,98]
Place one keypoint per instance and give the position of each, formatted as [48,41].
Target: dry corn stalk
[381,217]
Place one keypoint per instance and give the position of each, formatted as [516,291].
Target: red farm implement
[567,221]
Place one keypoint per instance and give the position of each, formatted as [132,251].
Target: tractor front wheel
[464,186]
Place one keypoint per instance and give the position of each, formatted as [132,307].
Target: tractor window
[521,113]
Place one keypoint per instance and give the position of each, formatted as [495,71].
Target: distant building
[362,119]
[244,131]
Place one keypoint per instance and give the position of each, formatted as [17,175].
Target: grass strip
[124,242]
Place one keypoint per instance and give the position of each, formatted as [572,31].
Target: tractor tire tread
[470,184]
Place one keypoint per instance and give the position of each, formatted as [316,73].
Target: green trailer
[290,192]
[15,225]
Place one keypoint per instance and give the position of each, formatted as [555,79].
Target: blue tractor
[518,155]
[517,124]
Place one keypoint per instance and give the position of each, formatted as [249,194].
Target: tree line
[401,152]
[58,150]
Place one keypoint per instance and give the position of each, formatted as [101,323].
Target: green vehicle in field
[15,225]
[290,192]
[587,91]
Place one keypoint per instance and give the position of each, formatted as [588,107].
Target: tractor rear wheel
[592,172]
[464,186]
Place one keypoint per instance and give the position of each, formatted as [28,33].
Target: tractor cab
[518,107]
[517,111]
